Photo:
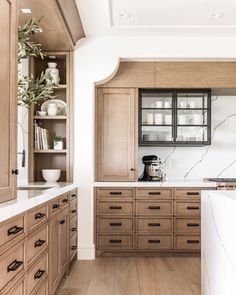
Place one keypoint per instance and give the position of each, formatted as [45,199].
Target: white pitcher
[53,109]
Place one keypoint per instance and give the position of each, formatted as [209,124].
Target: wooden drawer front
[18,289]
[55,205]
[37,273]
[155,225]
[73,226]
[73,195]
[187,242]
[114,208]
[154,208]
[115,241]
[115,225]
[12,263]
[11,229]
[43,290]
[73,246]
[194,194]
[36,243]
[187,225]
[37,216]
[153,193]
[64,200]
[116,193]
[73,210]
[187,208]
[155,242]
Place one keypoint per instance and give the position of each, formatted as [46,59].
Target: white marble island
[218,242]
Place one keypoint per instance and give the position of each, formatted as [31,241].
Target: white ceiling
[158,17]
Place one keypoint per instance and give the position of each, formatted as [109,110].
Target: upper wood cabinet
[116,134]
[8,97]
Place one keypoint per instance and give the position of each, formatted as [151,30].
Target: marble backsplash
[216,160]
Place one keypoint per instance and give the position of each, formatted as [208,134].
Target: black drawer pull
[193,224]
[65,201]
[14,265]
[154,207]
[115,207]
[115,224]
[73,248]
[154,241]
[193,193]
[74,196]
[62,221]
[73,229]
[115,241]
[14,230]
[154,193]
[39,274]
[154,224]
[115,193]
[73,211]
[55,206]
[39,215]
[39,243]
[193,241]
[193,208]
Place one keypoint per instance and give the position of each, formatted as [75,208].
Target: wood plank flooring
[134,276]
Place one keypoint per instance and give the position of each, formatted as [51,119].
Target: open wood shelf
[51,151]
[50,117]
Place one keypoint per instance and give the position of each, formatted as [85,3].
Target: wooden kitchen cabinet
[116,132]
[8,99]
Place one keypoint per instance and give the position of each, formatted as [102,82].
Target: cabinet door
[8,97]
[116,134]
[64,239]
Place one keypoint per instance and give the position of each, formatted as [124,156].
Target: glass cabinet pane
[191,117]
[192,100]
[156,117]
[156,100]
[156,133]
[195,134]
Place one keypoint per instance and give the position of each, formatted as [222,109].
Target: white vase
[52,109]
[58,145]
[53,72]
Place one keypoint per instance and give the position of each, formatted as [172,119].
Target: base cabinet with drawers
[165,220]
[37,246]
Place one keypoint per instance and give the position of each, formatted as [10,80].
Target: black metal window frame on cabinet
[174,112]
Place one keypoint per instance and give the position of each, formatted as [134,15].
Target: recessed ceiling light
[125,15]
[26,10]
[217,15]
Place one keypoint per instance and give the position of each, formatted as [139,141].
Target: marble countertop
[30,198]
[169,183]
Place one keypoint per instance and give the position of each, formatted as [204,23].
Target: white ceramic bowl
[51,175]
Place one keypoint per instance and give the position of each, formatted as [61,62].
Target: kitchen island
[218,242]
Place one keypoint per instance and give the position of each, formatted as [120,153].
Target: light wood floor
[134,276]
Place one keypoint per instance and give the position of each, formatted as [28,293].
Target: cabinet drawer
[43,289]
[37,273]
[187,225]
[194,194]
[73,210]
[64,200]
[73,226]
[12,264]
[36,216]
[18,289]
[36,243]
[155,225]
[115,225]
[73,195]
[123,193]
[187,242]
[115,241]
[153,194]
[73,246]
[114,208]
[155,242]
[12,229]
[154,208]
[55,205]
[187,208]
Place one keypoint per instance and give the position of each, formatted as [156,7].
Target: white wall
[95,60]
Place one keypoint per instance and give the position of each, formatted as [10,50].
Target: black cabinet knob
[15,171]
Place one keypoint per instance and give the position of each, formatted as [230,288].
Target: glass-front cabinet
[174,117]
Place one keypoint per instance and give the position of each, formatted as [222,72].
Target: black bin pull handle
[115,241]
[193,241]
[154,241]
[74,195]
[193,193]
[65,201]
[39,274]
[14,265]
[73,211]
[193,207]
[73,248]
[115,224]
[193,224]
[39,243]
[39,215]
[154,224]
[14,230]
[73,229]
[62,221]
[55,206]
[115,193]
[154,193]
[154,207]
[115,207]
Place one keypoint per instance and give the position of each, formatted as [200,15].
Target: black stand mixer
[153,170]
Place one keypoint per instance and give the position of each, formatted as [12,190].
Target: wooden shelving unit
[57,125]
